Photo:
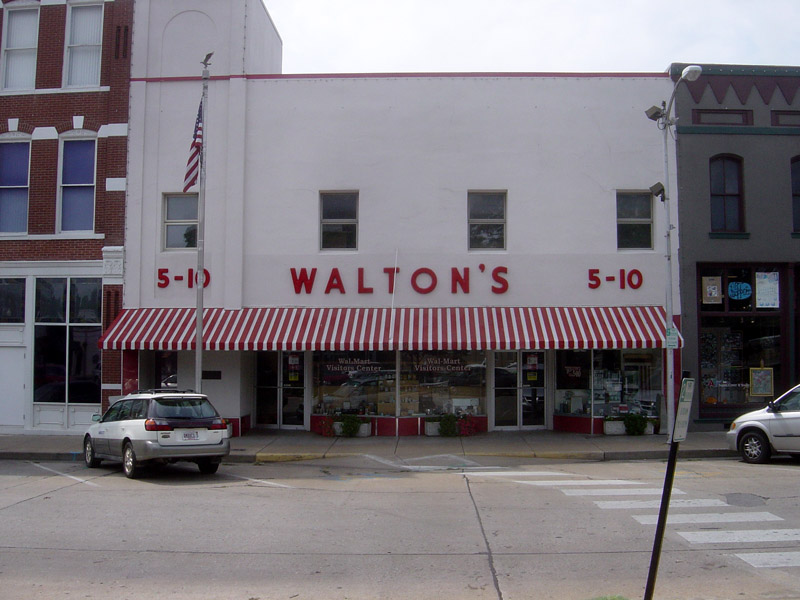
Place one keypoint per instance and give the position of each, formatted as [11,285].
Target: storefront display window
[443,383]
[617,381]
[354,383]
[66,353]
[740,330]
[430,383]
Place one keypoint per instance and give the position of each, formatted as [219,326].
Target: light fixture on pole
[663,118]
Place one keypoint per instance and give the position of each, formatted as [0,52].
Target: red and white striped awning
[450,328]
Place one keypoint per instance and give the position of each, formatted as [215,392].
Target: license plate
[189,436]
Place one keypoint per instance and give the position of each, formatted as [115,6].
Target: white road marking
[586,482]
[732,517]
[619,492]
[465,463]
[78,479]
[741,536]
[272,483]
[771,559]
[523,474]
[643,504]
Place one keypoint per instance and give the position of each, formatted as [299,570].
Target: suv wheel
[754,447]
[88,454]
[130,465]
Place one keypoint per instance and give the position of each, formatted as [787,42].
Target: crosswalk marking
[772,560]
[741,536]
[674,503]
[587,482]
[619,492]
[733,517]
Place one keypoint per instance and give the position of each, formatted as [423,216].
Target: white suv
[158,425]
[775,428]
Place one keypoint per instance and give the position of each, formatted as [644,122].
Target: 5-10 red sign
[632,279]
[190,278]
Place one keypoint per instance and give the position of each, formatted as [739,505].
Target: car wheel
[88,454]
[207,467]
[754,447]
[130,465]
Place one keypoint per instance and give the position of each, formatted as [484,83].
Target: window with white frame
[84,44]
[14,161]
[338,220]
[634,220]
[77,184]
[487,220]
[20,40]
[180,221]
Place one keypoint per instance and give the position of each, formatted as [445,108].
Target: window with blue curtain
[77,185]
[14,160]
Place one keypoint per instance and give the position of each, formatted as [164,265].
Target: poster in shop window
[767,290]
[761,382]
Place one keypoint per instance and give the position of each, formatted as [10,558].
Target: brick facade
[45,116]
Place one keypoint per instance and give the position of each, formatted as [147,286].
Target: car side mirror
[772,407]
[96,418]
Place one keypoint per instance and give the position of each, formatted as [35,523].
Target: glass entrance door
[519,389]
[280,379]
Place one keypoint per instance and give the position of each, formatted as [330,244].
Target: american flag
[193,166]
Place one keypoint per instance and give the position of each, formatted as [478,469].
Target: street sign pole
[678,435]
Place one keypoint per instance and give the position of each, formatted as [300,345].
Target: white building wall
[412,146]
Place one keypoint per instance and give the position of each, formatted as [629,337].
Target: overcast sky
[376,36]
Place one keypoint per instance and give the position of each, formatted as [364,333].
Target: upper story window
[14,161]
[84,43]
[180,221]
[338,220]
[487,220]
[20,40]
[796,194]
[635,220]
[727,194]
[77,185]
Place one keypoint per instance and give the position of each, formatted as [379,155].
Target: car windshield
[182,407]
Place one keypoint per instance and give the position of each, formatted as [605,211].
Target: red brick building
[64,89]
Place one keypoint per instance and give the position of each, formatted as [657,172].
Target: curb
[275,457]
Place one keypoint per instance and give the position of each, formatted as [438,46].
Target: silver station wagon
[158,426]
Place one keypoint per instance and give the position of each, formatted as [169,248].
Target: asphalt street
[360,526]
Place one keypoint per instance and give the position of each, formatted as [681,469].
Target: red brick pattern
[56,110]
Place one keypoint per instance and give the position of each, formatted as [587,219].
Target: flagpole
[200,278]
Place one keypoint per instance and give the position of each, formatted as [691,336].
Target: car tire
[130,465]
[89,457]
[754,447]
[207,467]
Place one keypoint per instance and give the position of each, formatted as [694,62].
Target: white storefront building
[395,246]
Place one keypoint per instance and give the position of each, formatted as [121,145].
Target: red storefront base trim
[391,426]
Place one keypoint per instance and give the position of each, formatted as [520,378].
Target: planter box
[613,427]
[432,428]
[365,430]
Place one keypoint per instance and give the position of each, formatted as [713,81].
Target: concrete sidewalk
[276,446]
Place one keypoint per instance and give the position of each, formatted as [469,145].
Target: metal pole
[662,520]
[200,278]
[670,316]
